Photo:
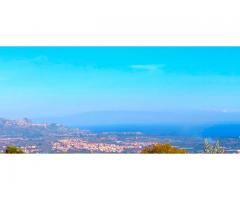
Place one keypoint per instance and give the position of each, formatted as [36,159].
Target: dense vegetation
[13,150]
[162,148]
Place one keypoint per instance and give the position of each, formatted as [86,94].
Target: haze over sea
[215,124]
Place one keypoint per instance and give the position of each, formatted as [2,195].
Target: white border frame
[119,23]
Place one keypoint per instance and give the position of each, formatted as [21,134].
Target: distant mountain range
[147,117]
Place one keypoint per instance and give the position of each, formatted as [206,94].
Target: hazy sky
[47,81]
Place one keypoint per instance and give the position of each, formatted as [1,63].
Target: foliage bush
[13,150]
[163,148]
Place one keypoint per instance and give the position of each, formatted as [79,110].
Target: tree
[213,149]
[163,148]
[13,150]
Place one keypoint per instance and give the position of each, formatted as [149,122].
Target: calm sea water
[206,130]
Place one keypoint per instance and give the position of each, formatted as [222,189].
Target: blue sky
[60,81]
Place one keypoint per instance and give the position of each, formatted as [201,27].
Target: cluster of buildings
[66,145]
[22,123]
[30,149]
[136,145]
[78,144]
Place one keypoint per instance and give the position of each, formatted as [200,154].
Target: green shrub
[13,149]
[163,148]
